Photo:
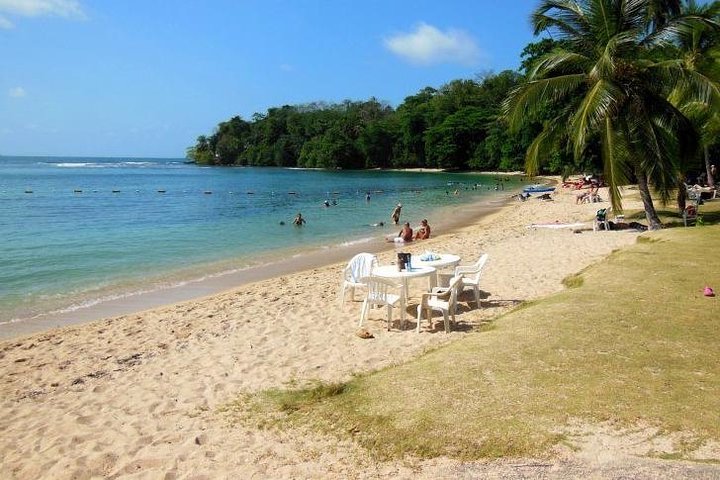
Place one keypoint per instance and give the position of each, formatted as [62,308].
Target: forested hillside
[456,126]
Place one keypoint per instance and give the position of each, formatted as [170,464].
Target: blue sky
[145,78]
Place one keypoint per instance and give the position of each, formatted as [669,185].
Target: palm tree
[699,48]
[660,12]
[612,78]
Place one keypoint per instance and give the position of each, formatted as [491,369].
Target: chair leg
[389,316]
[477,295]
[363,313]
[342,296]
[419,317]
[446,320]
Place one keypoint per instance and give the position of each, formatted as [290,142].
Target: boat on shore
[538,188]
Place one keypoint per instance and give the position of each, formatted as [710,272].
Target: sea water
[77,231]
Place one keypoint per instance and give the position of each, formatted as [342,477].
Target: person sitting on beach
[406,234]
[588,196]
[423,232]
[580,197]
[299,220]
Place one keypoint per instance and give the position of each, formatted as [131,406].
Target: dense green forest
[456,127]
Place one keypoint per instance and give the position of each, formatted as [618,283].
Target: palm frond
[695,85]
[558,61]
[614,150]
[547,141]
[527,99]
[681,28]
[600,102]
[563,18]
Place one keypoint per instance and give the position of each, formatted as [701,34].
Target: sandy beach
[138,396]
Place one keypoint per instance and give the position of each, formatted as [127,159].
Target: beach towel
[556,225]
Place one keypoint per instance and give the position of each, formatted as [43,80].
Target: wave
[102,298]
[106,165]
[358,241]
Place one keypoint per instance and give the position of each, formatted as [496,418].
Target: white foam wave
[358,241]
[72,164]
[104,165]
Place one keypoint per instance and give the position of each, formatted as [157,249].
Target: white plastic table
[391,271]
[446,260]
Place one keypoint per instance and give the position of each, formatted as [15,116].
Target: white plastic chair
[442,299]
[380,294]
[470,276]
[605,223]
[360,266]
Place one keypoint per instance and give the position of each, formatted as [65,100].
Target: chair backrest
[360,266]
[473,271]
[453,287]
[379,288]
[481,261]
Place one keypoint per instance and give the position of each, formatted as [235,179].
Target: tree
[699,47]
[610,80]
[201,153]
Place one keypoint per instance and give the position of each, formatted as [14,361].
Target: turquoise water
[77,230]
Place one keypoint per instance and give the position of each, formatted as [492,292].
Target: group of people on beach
[406,233]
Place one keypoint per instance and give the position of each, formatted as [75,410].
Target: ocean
[76,232]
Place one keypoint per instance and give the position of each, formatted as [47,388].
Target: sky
[145,78]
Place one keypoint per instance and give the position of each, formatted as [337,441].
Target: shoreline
[291,261]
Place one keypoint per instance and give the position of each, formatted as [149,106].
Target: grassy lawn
[632,341]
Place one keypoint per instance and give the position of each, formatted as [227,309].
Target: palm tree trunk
[681,195]
[650,213]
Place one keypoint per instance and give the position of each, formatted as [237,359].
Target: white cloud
[16,92]
[5,24]
[37,8]
[428,45]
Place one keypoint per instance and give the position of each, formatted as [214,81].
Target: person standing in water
[395,215]
[299,220]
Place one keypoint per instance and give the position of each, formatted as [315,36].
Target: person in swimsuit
[406,234]
[423,232]
[395,215]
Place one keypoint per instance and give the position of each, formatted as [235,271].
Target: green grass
[633,342]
